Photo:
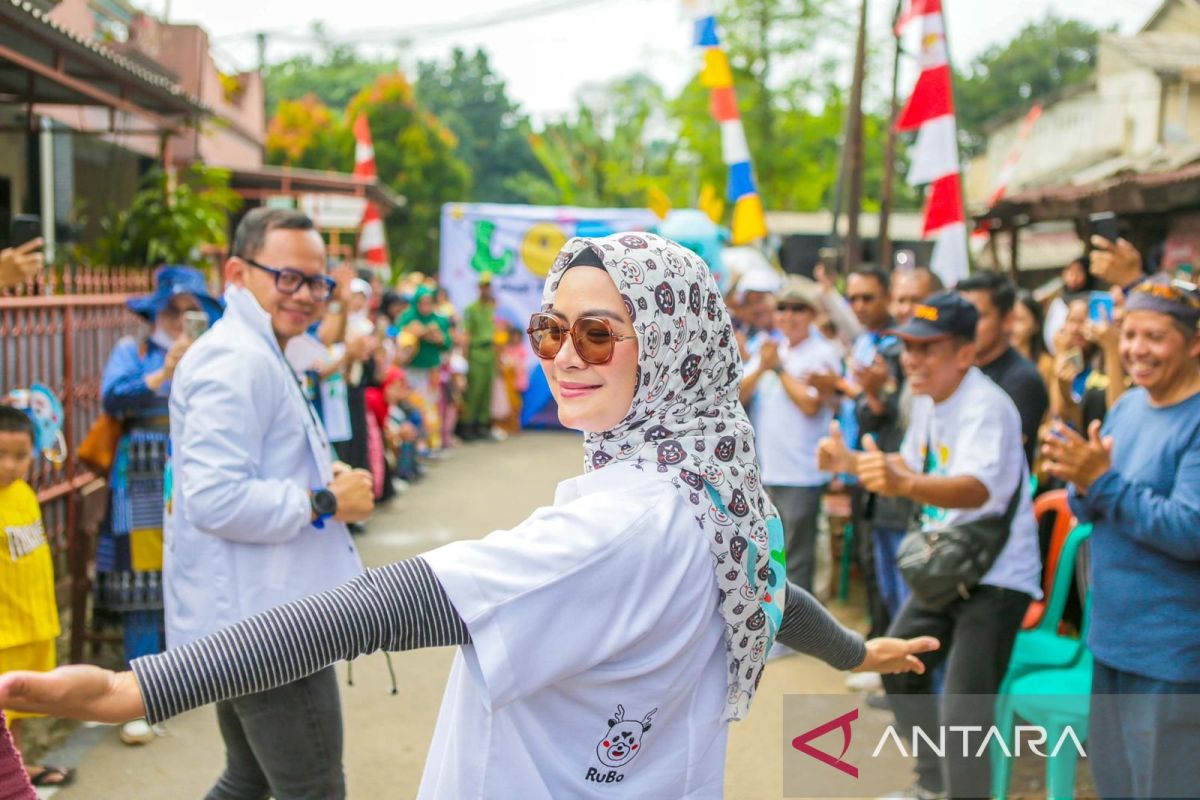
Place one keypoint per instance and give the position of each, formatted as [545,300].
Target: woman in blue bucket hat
[135,389]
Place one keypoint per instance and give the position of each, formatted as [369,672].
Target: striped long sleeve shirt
[401,606]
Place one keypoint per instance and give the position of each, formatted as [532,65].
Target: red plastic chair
[1052,502]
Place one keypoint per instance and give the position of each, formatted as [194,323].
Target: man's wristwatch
[324,505]
[334,307]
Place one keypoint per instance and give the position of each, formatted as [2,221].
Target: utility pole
[260,41]
[889,155]
[854,144]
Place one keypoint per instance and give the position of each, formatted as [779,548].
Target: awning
[268,181]
[42,62]
[1130,193]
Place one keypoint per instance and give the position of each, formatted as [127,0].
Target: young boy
[28,612]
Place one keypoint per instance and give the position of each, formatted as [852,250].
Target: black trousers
[977,638]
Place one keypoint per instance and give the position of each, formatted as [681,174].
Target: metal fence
[60,334]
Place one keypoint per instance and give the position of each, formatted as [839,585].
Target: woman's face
[1154,351]
[1074,276]
[1024,325]
[1077,317]
[170,319]
[592,397]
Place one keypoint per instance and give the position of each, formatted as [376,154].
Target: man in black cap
[961,460]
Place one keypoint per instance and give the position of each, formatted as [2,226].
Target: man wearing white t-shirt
[961,459]
[790,416]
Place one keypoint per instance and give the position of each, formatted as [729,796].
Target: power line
[377,35]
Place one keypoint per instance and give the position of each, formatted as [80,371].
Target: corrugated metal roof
[36,17]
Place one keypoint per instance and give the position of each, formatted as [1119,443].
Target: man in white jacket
[257,510]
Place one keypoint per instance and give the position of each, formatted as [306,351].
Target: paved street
[482,487]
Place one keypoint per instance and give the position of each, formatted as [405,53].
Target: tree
[168,220]
[414,155]
[333,75]
[1004,80]
[493,134]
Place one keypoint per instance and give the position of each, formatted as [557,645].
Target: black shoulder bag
[943,565]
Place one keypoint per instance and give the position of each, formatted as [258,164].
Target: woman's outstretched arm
[401,606]
[809,628]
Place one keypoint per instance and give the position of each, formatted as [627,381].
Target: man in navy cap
[961,460]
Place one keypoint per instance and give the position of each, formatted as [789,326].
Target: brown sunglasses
[593,337]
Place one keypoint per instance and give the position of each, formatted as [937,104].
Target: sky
[546,58]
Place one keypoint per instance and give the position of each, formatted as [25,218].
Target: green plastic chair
[1048,683]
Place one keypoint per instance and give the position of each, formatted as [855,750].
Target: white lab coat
[246,451]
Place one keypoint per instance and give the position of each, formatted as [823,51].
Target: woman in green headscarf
[432,334]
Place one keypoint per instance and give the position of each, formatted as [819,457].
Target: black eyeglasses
[289,281]
[593,337]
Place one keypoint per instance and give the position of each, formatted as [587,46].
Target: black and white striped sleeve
[402,606]
[809,628]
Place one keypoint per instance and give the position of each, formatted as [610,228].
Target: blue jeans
[1144,735]
[892,588]
[284,743]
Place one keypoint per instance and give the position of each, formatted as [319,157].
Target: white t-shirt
[977,432]
[785,436]
[597,663]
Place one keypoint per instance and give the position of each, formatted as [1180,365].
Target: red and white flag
[934,156]
[372,242]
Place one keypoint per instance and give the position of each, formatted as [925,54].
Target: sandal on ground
[46,775]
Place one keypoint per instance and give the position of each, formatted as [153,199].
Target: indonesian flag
[934,155]
[372,242]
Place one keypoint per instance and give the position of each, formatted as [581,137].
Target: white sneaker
[864,682]
[399,485]
[137,732]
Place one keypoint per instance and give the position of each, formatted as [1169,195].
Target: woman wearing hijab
[432,332]
[134,390]
[605,642]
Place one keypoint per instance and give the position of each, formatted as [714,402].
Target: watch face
[324,502]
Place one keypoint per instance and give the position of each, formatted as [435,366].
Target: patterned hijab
[686,420]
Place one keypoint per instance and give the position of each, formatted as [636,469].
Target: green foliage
[493,135]
[414,155]
[332,76]
[168,220]
[1005,80]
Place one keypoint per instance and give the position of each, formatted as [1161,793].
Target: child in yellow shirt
[28,611]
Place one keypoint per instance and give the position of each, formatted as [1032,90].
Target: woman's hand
[1071,458]
[887,655]
[75,692]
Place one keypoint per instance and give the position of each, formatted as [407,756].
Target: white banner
[517,244]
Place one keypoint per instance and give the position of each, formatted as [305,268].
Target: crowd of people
[936,409]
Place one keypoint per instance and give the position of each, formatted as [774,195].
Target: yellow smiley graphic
[542,243]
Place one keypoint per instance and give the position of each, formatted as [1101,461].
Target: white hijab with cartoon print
[686,422]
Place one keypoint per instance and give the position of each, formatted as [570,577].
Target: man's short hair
[1000,289]
[935,282]
[877,273]
[14,420]
[252,231]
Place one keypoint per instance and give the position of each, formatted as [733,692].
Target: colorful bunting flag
[749,221]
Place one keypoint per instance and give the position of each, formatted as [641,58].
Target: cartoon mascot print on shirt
[623,739]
